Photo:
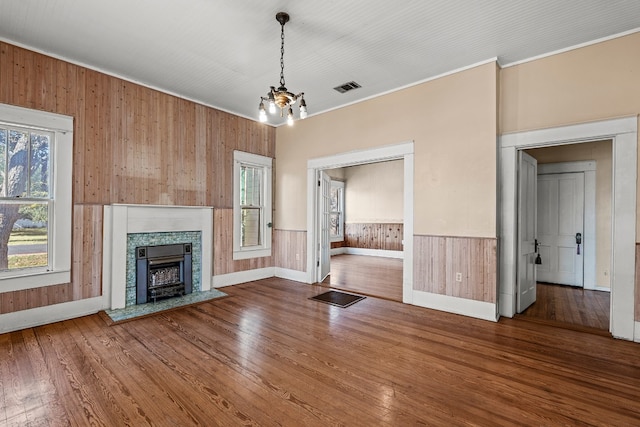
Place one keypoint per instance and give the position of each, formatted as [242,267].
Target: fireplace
[163,271]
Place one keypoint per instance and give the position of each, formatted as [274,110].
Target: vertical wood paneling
[637,308]
[290,249]
[131,145]
[223,262]
[437,260]
[87,251]
[387,236]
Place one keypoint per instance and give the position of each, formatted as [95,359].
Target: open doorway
[574,190]
[623,134]
[315,235]
[366,229]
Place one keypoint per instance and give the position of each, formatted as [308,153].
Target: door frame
[587,167]
[403,151]
[624,134]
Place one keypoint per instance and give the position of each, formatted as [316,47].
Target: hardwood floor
[367,275]
[567,305]
[267,355]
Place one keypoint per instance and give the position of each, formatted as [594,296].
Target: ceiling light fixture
[281,97]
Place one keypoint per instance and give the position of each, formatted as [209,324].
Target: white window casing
[61,152]
[260,206]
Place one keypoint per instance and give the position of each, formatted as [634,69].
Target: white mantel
[120,220]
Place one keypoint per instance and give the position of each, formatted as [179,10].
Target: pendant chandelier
[281,97]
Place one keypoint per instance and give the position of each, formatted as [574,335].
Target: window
[336,219]
[252,205]
[35,198]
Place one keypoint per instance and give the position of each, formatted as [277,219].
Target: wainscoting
[438,259]
[374,236]
[290,249]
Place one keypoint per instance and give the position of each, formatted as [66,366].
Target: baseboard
[338,251]
[51,313]
[374,252]
[602,288]
[295,275]
[238,277]
[466,307]
[636,332]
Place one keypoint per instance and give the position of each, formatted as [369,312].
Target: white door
[526,271]
[560,227]
[324,255]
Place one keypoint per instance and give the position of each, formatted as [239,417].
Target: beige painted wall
[596,82]
[452,121]
[600,152]
[374,193]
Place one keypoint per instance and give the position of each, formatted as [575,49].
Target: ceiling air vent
[347,87]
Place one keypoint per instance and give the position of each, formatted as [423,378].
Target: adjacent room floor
[368,275]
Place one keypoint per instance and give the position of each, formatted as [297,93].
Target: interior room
[173,209]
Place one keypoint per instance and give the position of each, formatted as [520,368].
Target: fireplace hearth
[163,271]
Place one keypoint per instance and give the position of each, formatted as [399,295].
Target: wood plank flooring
[568,305]
[267,355]
[367,275]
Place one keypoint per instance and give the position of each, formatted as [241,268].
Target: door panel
[527,223]
[560,217]
[324,255]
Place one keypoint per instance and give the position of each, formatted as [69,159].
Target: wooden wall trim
[437,259]
[384,236]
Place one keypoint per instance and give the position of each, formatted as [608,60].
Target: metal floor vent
[347,87]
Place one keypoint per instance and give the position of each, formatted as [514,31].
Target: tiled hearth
[129,226]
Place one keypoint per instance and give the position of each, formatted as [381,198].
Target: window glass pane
[18,152]
[251,185]
[250,227]
[39,167]
[334,224]
[335,198]
[3,160]
[26,228]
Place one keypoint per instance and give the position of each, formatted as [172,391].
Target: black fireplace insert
[163,271]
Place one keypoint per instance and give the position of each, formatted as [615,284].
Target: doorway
[623,133]
[365,229]
[404,152]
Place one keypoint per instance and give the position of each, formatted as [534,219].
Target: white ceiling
[226,54]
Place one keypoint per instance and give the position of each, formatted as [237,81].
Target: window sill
[255,253]
[34,280]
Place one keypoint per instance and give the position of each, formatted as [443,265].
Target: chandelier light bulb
[262,115]
[303,109]
[290,117]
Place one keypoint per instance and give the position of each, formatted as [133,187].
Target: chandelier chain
[282,56]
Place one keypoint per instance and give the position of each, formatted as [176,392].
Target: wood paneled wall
[437,259]
[132,145]
[374,236]
[637,308]
[290,249]
[223,262]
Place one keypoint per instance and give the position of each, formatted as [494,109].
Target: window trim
[341,206]
[62,176]
[242,158]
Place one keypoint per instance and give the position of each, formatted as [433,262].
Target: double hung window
[252,205]
[35,198]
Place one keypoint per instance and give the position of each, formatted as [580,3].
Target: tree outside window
[25,164]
